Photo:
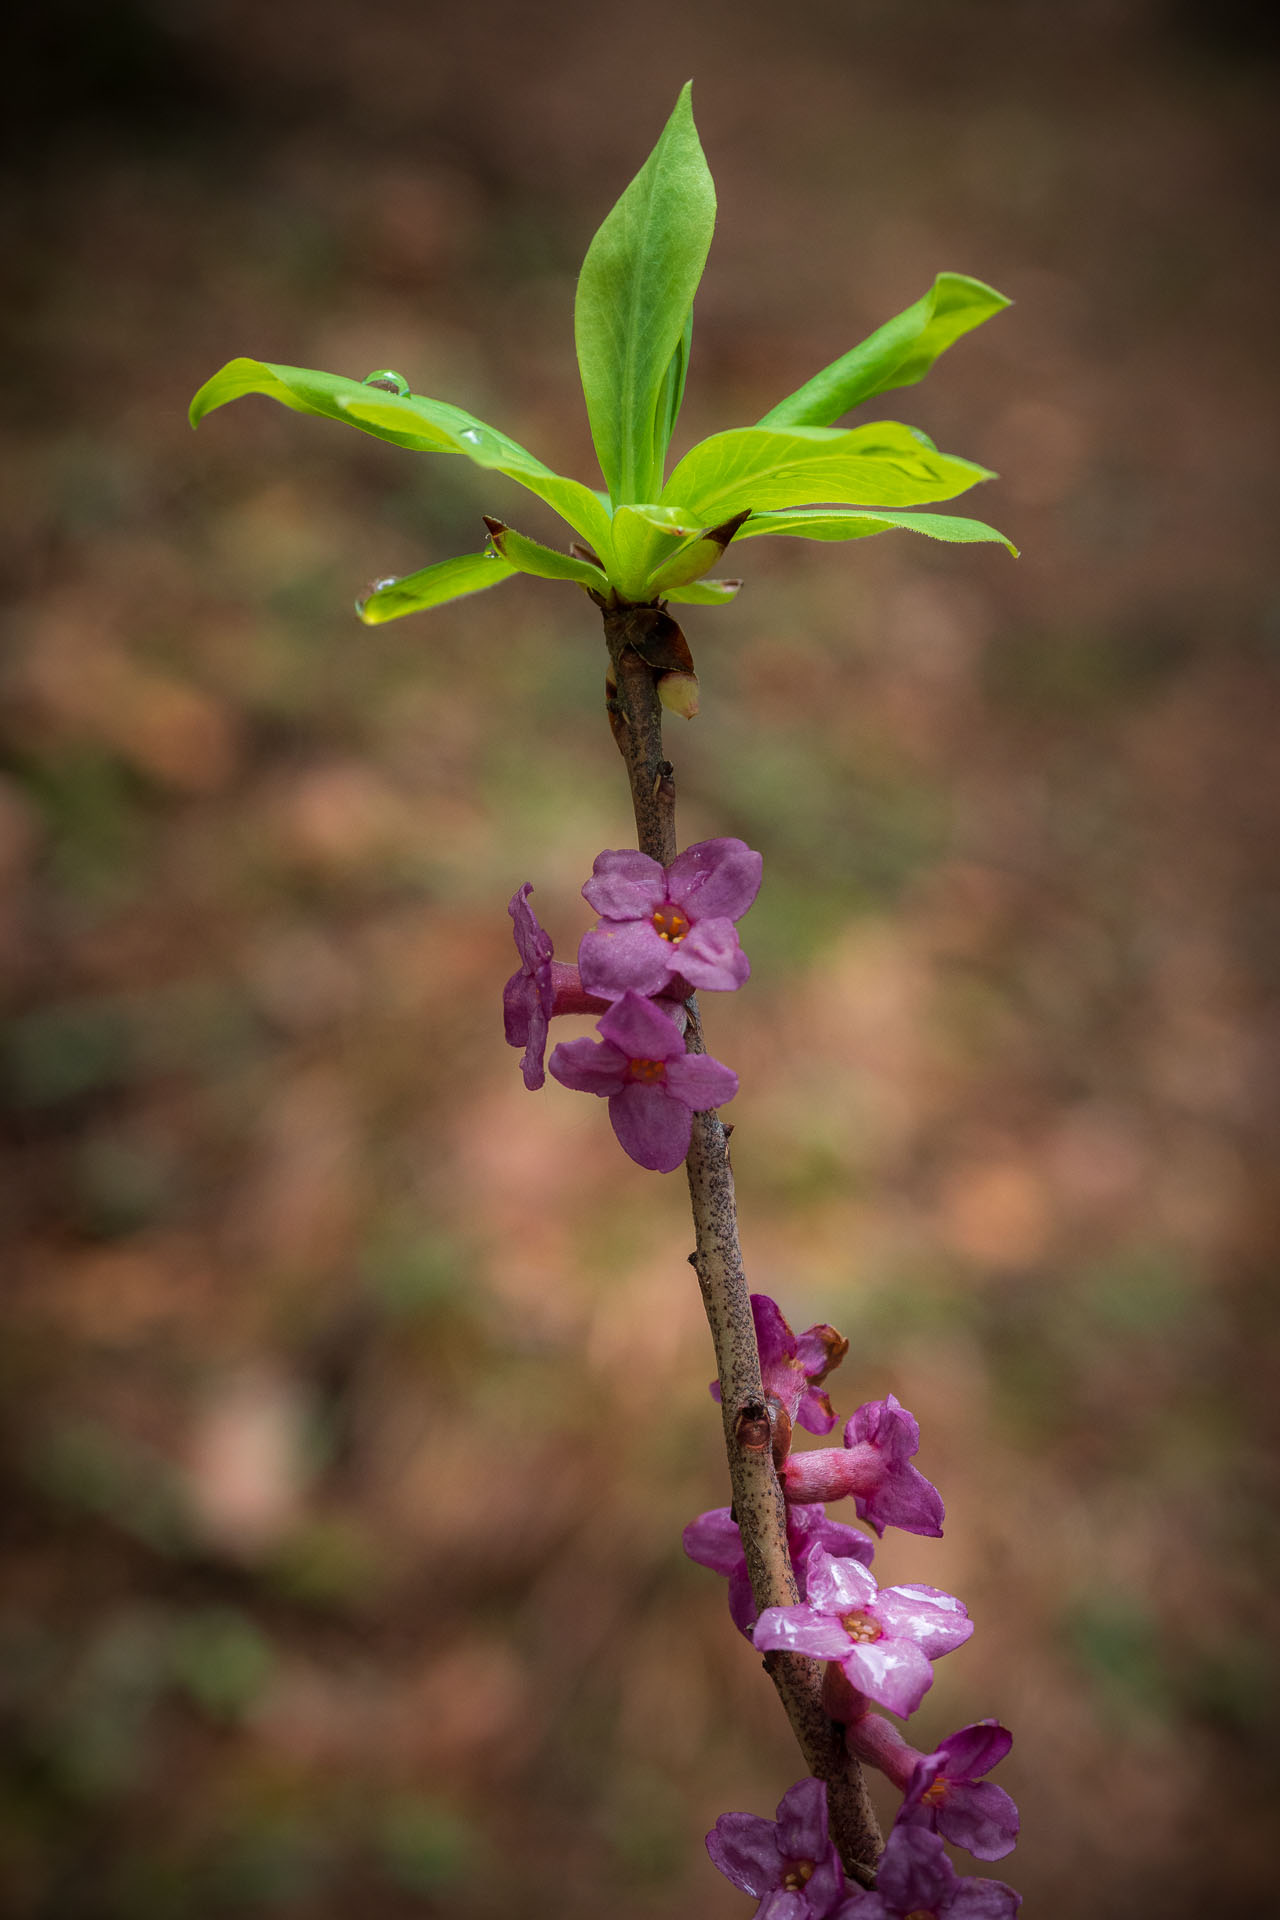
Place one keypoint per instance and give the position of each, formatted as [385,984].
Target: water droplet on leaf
[388,380]
[471,434]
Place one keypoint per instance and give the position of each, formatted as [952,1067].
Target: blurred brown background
[354,1398]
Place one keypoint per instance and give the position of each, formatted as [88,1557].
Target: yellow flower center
[670,924]
[797,1874]
[647,1070]
[935,1793]
[861,1627]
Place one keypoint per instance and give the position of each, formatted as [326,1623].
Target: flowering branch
[834,1641]
[632,635]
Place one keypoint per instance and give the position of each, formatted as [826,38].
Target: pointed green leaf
[407,420]
[883,464]
[432,586]
[704,593]
[634,303]
[530,556]
[896,355]
[642,537]
[853,523]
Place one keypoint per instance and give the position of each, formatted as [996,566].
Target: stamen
[861,1627]
[798,1874]
[647,1070]
[670,924]
[935,1793]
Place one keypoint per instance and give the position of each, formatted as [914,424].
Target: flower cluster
[880,1643]
[662,933]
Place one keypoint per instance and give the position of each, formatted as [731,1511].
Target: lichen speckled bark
[635,715]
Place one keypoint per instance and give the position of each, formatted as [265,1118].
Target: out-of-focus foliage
[336,1367]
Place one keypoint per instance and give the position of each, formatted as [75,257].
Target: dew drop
[471,434]
[388,380]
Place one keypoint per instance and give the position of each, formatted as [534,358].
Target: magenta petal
[709,956]
[519,999]
[635,1026]
[625,885]
[834,1537]
[974,1750]
[914,1871]
[745,1849]
[979,1816]
[774,1337]
[937,1622]
[815,1412]
[801,1630]
[589,1066]
[713,1540]
[652,1127]
[802,1821]
[715,879]
[701,1082]
[983,1900]
[892,1672]
[837,1586]
[624,954]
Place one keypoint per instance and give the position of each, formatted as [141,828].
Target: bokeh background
[355,1399]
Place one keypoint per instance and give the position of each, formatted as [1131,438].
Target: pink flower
[874,1468]
[539,989]
[915,1877]
[659,925]
[652,1085]
[883,1638]
[793,1369]
[791,1866]
[946,1793]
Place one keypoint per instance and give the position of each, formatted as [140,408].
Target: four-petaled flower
[713,1540]
[660,925]
[652,1085]
[915,1879]
[540,988]
[793,1369]
[883,1638]
[947,1794]
[790,1866]
[874,1466]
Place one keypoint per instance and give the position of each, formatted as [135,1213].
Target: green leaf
[882,464]
[432,586]
[704,593]
[695,558]
[634,306]
[407,420]
[642,537]
[853,523]
[896,355]
[547,563]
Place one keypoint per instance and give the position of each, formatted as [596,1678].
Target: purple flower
[946,1793]
[659,925]
[793,1369]
[883,1638]
[792,1867]
[538,990]
[915,1878]
[874,1467]
[652,1085]
[713,1541]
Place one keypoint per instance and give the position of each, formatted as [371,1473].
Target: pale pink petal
[625,885]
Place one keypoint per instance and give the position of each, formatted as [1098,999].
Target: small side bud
[751,1429]
[678,693]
